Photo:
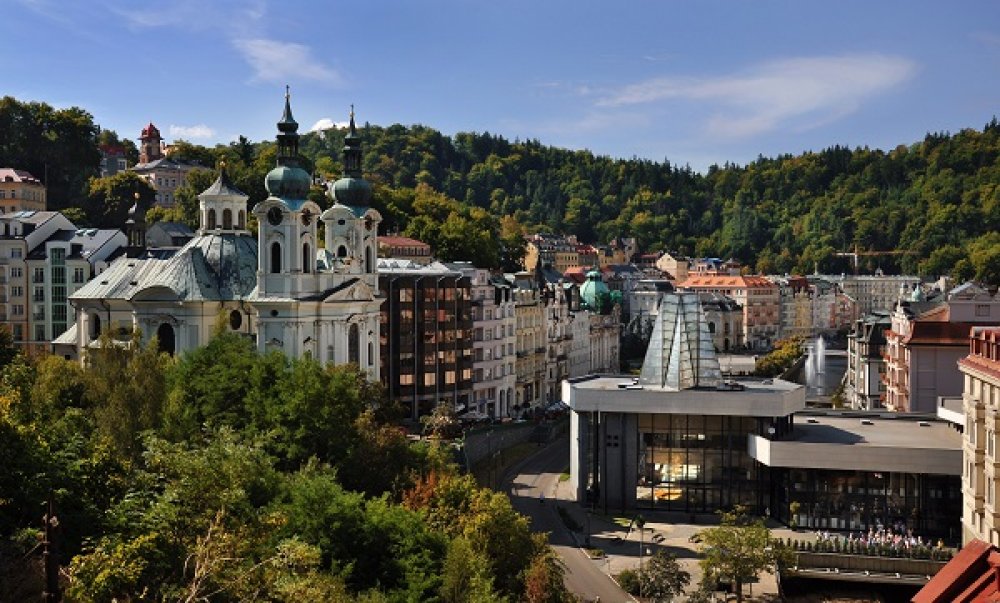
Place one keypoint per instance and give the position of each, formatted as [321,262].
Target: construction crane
[854,255]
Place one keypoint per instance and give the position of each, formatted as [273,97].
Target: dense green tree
[738,550]
[186,208]
[663,578]
[109,199]
[57,146]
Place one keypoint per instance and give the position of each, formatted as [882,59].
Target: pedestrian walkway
[662,531]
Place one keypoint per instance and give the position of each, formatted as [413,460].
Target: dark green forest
[934,203]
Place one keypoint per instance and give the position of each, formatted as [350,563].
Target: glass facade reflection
[929,505]
[698,464]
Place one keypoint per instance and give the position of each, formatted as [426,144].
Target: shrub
[628,580]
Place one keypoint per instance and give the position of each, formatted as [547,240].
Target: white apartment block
[493,324]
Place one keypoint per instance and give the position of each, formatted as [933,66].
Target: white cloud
[801,93]
[198,131]
[326,123]
[275,61]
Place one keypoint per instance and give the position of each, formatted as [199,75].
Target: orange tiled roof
[738,281]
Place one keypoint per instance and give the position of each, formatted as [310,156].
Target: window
[17,310]
[78,275]
[430,379]
[38,276]
[40,333]
[16,273]
[16,291]
[16,252]
[982,309]
[353,344]
[39,294]
[211,219]
[227,219]
[275,258]
[305,258]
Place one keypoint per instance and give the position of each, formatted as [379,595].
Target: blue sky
[695,82]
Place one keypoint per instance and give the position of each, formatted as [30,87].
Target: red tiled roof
[970,577]
[934,332]
[393,241]
[149,130]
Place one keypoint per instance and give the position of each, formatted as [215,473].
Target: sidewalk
[662,531]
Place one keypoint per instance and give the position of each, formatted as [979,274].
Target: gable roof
[970,577]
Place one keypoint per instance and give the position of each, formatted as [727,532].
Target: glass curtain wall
[697,464]
[855,501]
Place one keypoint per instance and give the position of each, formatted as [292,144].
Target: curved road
[539,474]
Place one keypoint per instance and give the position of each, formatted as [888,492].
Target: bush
[628,580]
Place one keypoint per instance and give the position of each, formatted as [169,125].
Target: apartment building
[877,292]
[164,174]
[925,342]
[426,335]
[980,370]
[60,265]
[758,297]
[493,341]
[20,191]
[44,258]
[529,346]
[864,380]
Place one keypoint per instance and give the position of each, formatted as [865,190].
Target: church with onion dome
[288,288]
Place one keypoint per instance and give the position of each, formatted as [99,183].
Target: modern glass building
[681,438]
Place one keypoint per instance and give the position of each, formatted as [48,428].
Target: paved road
[540,475]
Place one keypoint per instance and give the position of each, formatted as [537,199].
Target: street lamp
[640,522]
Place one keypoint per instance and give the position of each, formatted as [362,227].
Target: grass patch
[595,553]
[564,477]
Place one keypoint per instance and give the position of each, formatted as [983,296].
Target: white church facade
[279,288]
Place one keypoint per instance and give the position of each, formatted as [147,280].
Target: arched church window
[306,264]
[165,339]
[353,344]
[369,266]
[227,219]
[275,257]
[342,252]
[235,320]
[371,353]
[211,219]
[241,220]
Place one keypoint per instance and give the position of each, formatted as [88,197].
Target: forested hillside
[935,203]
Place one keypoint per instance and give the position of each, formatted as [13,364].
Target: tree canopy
[224,475]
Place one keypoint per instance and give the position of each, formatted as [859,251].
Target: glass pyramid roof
[681,354]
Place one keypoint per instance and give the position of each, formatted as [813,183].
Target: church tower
[322,303]
[151,144]
[351,226]
[287,221]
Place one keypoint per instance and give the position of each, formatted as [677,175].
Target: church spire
[352,188]
[352,150]
[288,134]
[288,180]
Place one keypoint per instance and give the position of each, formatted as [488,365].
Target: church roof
[119,281]
[217,266]
[222,187]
